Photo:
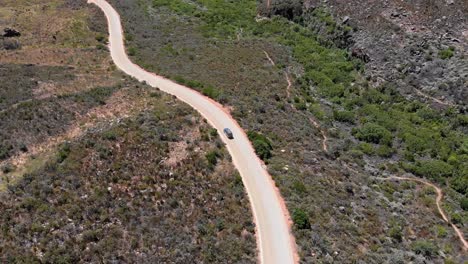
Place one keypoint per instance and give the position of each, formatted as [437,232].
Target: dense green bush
[211,92]
[464,203]
[132,51]
[464,146]
[344,116]
[447,53]
[433,169]
[207,90]
[385,151]
[324,16]
[301,219]
[212,158]
[366,148]
[373,133]
[261,144]
[415,144]
[221,18]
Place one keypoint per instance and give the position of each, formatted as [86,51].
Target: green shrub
[415,144]
[317,111]
[373,133]
[100,46]
[453,160]
[447,53]
[299,187]
[464,203]
[460,184]
[180,80]
[94,96]
[366,148]
[423,247]
[432,169]
[110,135]
[441,231]
[356,153]
[301,105]
[63,153]
[211,92]
[261,144]
[464,147]
[385,151]
[212,158]
[324,16]
[396,232]
[344,116]
[457,218]
[213,132]
[101,38]
[30,203]
[132,51]
[301,219]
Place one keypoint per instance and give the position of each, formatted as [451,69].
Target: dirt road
[274,239]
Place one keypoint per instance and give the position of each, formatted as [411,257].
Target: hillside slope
[98,167]
[327,132]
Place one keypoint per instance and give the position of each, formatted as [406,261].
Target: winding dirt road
[274,239]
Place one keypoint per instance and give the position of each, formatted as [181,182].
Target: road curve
[274,239]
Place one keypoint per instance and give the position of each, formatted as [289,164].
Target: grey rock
[346,19]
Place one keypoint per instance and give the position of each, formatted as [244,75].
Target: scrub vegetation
[96,167]
[117,195]
[335,201]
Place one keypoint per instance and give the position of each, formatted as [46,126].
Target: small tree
[300,219]
[212,158]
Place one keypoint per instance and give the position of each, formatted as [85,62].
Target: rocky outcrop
[421,47]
